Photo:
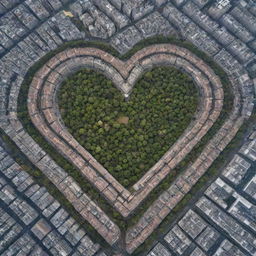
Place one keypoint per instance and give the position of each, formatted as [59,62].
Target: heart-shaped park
[128,135]
[154,112]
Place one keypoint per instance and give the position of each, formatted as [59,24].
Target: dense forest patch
[128,136]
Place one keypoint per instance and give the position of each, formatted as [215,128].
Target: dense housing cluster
[219,221]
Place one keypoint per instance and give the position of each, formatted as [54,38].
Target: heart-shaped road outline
[44,112]
[55,71]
